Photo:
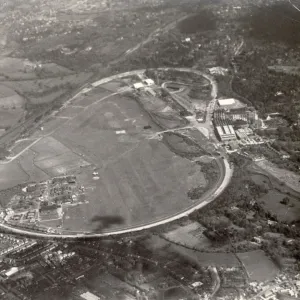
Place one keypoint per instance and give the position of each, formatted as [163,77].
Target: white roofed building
[149,82]
[12,271]
[138,85]
[89,296]
[226,133]
[226,102]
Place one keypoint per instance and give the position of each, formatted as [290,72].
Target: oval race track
[225,174]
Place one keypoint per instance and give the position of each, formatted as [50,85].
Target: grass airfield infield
[139,179]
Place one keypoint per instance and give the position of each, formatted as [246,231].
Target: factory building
[226,102]
[226,117]
[226,133]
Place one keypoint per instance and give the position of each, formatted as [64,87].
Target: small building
[226,102]
[268,294]
[11,272]
[138,85]
[148,82]
[89,296]
[196,284]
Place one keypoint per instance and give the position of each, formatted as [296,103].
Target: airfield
[131,177]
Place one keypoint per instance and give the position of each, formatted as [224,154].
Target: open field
[277,191]
[9,98]
[227,260]
[10,117]
[37,89]
[285,213]
[258,266]
[27,163]
[12,175]
[190,235]
[48,98]
[53,158]
[134,172]
[69,112]
[291,179]
[11,107]
[20,69]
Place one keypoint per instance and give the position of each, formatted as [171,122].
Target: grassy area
[258,266]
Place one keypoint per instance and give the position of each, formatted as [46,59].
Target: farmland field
[140,179]
[190,235]
[258,266]
[285,213]
[227,260]
[9,118]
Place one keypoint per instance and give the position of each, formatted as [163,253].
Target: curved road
[224,179]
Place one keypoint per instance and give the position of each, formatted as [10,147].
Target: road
[224,179]
[296,7]
[216,280]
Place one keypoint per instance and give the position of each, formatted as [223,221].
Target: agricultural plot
[258,266]
[15,68]
[203,259]
[286,213]
[138,179]
[20,69]
[53,223]
[11,107]
[12,175]
[91,97]
[54,158]
[9,98]
[290,178]
[26,162]
[113,86]
[69,112]
[51,125]
[37,86]
[10,117]
[190,235]
[48,98]
[145,183]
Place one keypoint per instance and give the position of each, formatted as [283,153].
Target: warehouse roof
[224,102]
[89,296]
[138,85]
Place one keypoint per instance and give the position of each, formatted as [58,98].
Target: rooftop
[224,102]
[89,296]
